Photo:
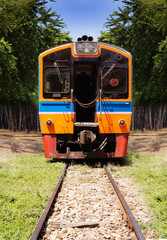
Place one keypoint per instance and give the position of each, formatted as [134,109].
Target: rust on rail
[131,219]
[45,213]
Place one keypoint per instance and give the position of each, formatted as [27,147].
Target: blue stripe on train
[114,107]
[64,106]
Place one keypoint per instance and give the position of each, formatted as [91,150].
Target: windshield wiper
[109,70]
[58,72]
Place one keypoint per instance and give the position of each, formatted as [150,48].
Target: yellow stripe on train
[64,123]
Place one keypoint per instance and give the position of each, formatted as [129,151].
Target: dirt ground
[28,143]
[148,141]
[21,142]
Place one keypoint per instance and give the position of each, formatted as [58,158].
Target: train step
[86,124]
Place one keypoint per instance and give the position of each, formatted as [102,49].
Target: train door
[85,90]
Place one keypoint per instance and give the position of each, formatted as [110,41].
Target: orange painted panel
[109,123]
[62,123]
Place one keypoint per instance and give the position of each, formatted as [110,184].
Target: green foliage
[157,8]
[26,185]
[160,70]
[29,28]
[8,71]
[140,27]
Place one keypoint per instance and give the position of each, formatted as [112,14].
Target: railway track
[88,212]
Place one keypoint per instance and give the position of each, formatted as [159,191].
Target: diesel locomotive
[85,101]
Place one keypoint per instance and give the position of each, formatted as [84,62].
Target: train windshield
[56,80]
[114,80]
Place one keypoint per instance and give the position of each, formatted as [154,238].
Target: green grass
[150,173]
[26,183]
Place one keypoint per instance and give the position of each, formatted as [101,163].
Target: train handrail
[72,97]
[100,100]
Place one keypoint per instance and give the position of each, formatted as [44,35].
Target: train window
[56,80]
[114,80]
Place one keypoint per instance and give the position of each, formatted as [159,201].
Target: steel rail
[45,213]
[131,219]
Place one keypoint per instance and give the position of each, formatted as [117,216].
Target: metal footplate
[80,126]
[86,124]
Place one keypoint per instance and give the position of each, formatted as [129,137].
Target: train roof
[99,43]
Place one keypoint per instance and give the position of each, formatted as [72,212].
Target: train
[85,100]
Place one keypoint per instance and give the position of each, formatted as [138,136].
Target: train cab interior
[85,90]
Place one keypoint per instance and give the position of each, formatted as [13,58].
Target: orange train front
[85,102]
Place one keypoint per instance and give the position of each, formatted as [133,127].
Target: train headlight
[80,47]
[122,122]
[86,48]
[92,47]
[49,123]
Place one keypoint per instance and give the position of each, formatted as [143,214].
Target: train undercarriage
[85,144]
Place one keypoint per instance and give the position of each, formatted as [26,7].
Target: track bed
[87,208]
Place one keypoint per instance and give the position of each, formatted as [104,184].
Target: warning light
[114,82]
[49,123]
[122,122]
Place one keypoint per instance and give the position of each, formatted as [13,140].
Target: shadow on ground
[95,163]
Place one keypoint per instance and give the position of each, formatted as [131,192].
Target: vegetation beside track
[26,183]
[150,174]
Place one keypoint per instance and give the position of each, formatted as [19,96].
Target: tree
[8,72]
[27,28]
[138,28]
[30,28]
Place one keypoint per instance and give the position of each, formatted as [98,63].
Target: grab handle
[72,97]
[100,100]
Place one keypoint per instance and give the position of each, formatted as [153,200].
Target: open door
[85,91]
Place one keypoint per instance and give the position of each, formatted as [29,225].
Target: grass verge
[26,183]
[150,173]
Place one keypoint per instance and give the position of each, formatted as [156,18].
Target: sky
[84,17]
